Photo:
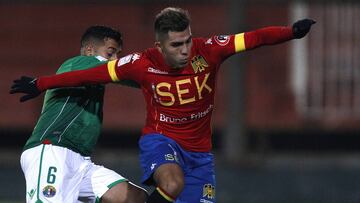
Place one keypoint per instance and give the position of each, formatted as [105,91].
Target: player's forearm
[267,36]
[97,75]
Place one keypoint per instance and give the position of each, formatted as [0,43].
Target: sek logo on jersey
[222,40]
[184,91]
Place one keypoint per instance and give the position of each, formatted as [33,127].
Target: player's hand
[302,27]
[26,85]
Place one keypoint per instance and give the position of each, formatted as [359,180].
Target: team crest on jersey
[222,40]
[209,191]
[49,191]
[198,63]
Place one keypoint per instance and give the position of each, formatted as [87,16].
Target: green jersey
[71,117]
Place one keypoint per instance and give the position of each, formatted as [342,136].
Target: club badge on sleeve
[222,40]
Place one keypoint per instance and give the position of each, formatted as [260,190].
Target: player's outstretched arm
[32,87]
[276,34]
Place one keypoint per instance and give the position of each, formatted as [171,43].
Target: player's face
[110,49]
[176,48]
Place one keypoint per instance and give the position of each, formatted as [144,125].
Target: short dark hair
[98,33]
[171,19]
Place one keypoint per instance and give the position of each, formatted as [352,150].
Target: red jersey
[179,101]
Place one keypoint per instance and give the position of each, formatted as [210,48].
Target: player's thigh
[199,184]
[125,192]
[108,186]
[48,174]
[155,151]
[197,190]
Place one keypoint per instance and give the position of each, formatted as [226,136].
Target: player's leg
[169,179]
[125,192]
[162,167]
[200,180]
[30,166]
[52,174]
[104,185]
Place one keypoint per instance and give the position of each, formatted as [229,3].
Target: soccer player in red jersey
[177,78]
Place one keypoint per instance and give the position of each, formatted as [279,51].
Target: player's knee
[170,178]
[172,185]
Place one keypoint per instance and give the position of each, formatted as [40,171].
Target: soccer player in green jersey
[56,158]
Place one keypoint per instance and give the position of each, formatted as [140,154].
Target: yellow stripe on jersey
[239,42]
[111,68]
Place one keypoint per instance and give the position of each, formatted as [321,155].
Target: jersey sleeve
[121,70]
[96,75]
[222,46]
[266,36]
[128,68]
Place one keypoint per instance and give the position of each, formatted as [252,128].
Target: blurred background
[286,127]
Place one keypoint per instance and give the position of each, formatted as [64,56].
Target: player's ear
[158,46]
[89,50]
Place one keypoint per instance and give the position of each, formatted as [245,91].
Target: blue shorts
[198,168]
